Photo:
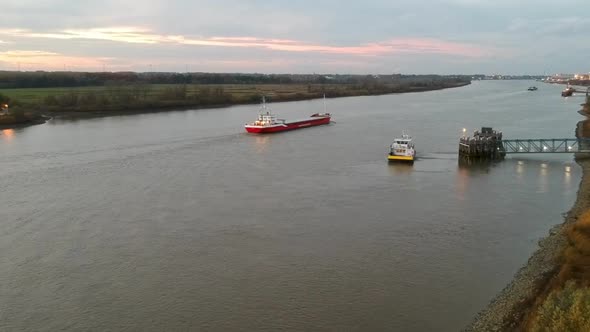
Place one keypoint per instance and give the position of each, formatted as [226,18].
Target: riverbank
[74,104]
[274,97]
[508,310]
[12,122]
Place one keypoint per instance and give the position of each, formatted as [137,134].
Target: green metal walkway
[545,145]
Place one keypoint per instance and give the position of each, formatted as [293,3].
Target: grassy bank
[120,98]
[565,309]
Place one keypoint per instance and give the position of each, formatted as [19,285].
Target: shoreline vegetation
[35,96]
[551,292]
[11,121]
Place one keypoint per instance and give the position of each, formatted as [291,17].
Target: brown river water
[182,221]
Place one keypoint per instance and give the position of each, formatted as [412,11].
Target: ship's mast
[324,103]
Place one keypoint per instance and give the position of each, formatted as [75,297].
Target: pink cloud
[33,60]
[396,46]
[137,35]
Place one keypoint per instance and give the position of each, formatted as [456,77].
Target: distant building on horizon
[582,77]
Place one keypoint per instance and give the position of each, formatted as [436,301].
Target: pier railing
[543,145]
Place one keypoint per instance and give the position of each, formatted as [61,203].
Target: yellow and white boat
[402,149]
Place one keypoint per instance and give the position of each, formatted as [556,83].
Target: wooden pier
[484,144]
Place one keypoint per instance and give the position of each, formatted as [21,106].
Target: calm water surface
[181,221]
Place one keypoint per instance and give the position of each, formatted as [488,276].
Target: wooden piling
[484,144]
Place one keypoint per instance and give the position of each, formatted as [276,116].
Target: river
[182,221]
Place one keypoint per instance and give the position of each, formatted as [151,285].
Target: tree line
[136,96]
[42,79]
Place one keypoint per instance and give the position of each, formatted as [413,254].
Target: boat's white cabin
[404,142]
[265,119]
[402,146]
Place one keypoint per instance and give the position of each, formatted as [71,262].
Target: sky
[298,36]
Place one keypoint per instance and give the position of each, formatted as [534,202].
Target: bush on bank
[566,306]
[566,309]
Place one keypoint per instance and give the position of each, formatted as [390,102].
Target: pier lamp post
[464,131]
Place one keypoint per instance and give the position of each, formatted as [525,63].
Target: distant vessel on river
[568,91]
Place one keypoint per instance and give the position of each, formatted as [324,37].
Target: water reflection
[468,168]
[462,182]
[520,168]
[7,134]
[262,143]
[475,165]
[546,173]
[400,168]
[567,175]
[543,178]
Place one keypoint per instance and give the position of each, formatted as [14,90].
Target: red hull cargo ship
[268,122]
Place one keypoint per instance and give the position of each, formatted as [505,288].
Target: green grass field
[37,95]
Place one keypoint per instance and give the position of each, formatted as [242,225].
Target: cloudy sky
[298,36]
